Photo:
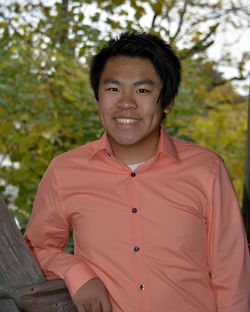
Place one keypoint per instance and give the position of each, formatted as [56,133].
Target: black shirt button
[136,248]
[134,210]
[133,174]
[142,287]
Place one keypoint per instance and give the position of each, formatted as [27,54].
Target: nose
[126,101]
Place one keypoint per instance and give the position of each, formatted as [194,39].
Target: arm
[228,256]
[47,234]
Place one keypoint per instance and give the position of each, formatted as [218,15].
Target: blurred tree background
[47,106]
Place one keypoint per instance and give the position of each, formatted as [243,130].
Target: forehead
[129,66]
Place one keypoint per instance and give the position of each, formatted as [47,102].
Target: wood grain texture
[49,296]
[22,283]
[17,263]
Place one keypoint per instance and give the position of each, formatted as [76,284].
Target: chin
[126,142]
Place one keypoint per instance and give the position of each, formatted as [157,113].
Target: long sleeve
[228,256]
[47,234]
[144,235]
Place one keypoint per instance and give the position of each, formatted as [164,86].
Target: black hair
[142,45]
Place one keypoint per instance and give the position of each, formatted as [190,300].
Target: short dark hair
[142,45]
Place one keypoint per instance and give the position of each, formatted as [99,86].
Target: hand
[92,297]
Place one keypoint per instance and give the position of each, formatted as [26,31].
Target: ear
[167,110]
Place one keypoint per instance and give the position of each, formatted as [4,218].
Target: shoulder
[80,154]
[196,155]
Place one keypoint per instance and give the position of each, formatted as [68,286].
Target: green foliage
[212,117]
[47,106]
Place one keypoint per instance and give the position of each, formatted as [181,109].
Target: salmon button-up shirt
[167,237]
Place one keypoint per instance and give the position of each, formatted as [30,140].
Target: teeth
[126,120]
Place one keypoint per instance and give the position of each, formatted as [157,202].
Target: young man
[156,222]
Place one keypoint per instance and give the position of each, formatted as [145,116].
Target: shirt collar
[102,145]
[166,145]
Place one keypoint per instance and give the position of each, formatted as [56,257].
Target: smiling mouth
[126,120]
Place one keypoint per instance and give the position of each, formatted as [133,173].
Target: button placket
[142,287]
[136,251]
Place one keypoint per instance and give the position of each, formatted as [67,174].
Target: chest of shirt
[169,213]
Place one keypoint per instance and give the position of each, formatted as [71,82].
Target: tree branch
[183,11]
[222,82]
[64,13]
[153,21]
[200,46]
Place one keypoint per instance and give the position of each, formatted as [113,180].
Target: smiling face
[128,105]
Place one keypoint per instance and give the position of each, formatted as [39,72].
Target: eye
[141,90]
[113,89]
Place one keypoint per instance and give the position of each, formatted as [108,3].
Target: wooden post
[246,194]
[22,284]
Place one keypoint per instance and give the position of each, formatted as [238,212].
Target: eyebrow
[111,80]
[137,83]
[142,82]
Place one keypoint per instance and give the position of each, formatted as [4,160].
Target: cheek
[104,112]
[153,109]
[102,107]
[105,103]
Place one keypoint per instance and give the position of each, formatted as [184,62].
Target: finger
[81,308]
[106,305]
[86,308]
[96,306]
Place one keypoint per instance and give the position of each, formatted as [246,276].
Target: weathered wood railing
[22,284]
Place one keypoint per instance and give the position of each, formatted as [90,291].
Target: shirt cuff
[78,275]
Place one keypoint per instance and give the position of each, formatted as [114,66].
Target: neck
[136,153]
